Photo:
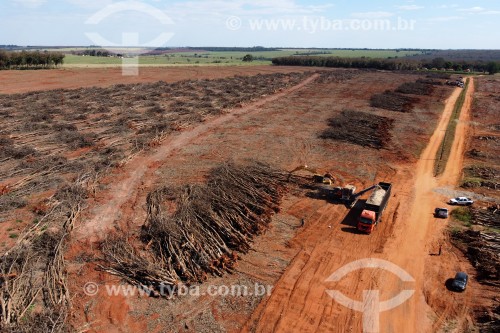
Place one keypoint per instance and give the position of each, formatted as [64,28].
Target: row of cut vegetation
[399,101]
[393,101]
[360,128]
[210,224]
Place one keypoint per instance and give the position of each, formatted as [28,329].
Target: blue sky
[443,24]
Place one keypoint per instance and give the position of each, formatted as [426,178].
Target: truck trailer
[374,207]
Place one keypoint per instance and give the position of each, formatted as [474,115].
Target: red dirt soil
[299,302]
[12,82]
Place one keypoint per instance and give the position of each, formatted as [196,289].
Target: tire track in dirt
[141,168]
[299,302]
[410,249]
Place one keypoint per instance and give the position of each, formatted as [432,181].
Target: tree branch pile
[482,249]
[136,267]
[480,176]
[393,101]
[195,230]
[337,76]
[430,81]
[487,217]
[360,128]
[33,289]
[416,88]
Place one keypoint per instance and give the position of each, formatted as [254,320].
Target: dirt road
[299,302]
[420,230]
[453,168]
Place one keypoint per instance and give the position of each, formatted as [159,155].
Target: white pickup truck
[461,201]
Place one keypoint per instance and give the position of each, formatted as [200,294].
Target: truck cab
[366,221]
[374,207]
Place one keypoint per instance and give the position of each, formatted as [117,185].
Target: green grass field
[229,58]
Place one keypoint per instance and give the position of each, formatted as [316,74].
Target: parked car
[461,201]
[441,213]
[460,281]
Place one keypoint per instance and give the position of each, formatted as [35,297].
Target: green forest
[491,67]
[30,59]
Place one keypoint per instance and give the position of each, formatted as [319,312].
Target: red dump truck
[374,207]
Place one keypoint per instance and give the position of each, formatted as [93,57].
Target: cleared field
[165,60]
[55,134]
[291,139]
[359,128]
[154,181]
[56,145]
[25,81]
[482,160]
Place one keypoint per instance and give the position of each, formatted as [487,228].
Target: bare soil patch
[12,82]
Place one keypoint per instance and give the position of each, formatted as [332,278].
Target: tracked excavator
[345,194]
[326,179]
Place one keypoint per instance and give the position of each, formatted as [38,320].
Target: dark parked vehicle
[441,213]
[460,281]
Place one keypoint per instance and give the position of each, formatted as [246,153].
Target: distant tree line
[215,49]
[492,67]
[9,47]
[30,59]
[340,62]
[459,55]
[403,64]
[235,49]
[93,53]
